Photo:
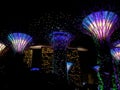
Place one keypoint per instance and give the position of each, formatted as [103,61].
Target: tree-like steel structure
[115,52]
[100,26]
[60,41]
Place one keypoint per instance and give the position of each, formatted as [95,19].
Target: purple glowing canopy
[100,24]
[19,41]
[116,43]
[115,52]
[60,39]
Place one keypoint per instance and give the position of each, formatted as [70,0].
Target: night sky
[39,19]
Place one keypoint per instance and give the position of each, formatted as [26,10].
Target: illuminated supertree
[60,41]
[115,52]
[100,26]
[19,41]
[2,47]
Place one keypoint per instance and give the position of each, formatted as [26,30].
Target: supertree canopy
[60,39]
[19,41]
[2,47]
[115,52]
[100,24]
[116,43]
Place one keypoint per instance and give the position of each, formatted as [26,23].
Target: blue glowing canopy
[60,39]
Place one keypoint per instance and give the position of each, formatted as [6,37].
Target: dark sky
[18,16]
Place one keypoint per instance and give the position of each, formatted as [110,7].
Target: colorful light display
[2,47]
[116,53]
[47,58]
[100,24]
[19,41]
[75,71]
[115,50]
[69,64]
[35,69]
[96,68]
[60,41]
[116,43]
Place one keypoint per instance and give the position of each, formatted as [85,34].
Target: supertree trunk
[100,25]
[60,41]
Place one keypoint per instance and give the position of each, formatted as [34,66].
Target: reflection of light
[34,69]
[115,52]
[69,64]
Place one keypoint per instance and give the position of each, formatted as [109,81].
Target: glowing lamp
[69,64]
